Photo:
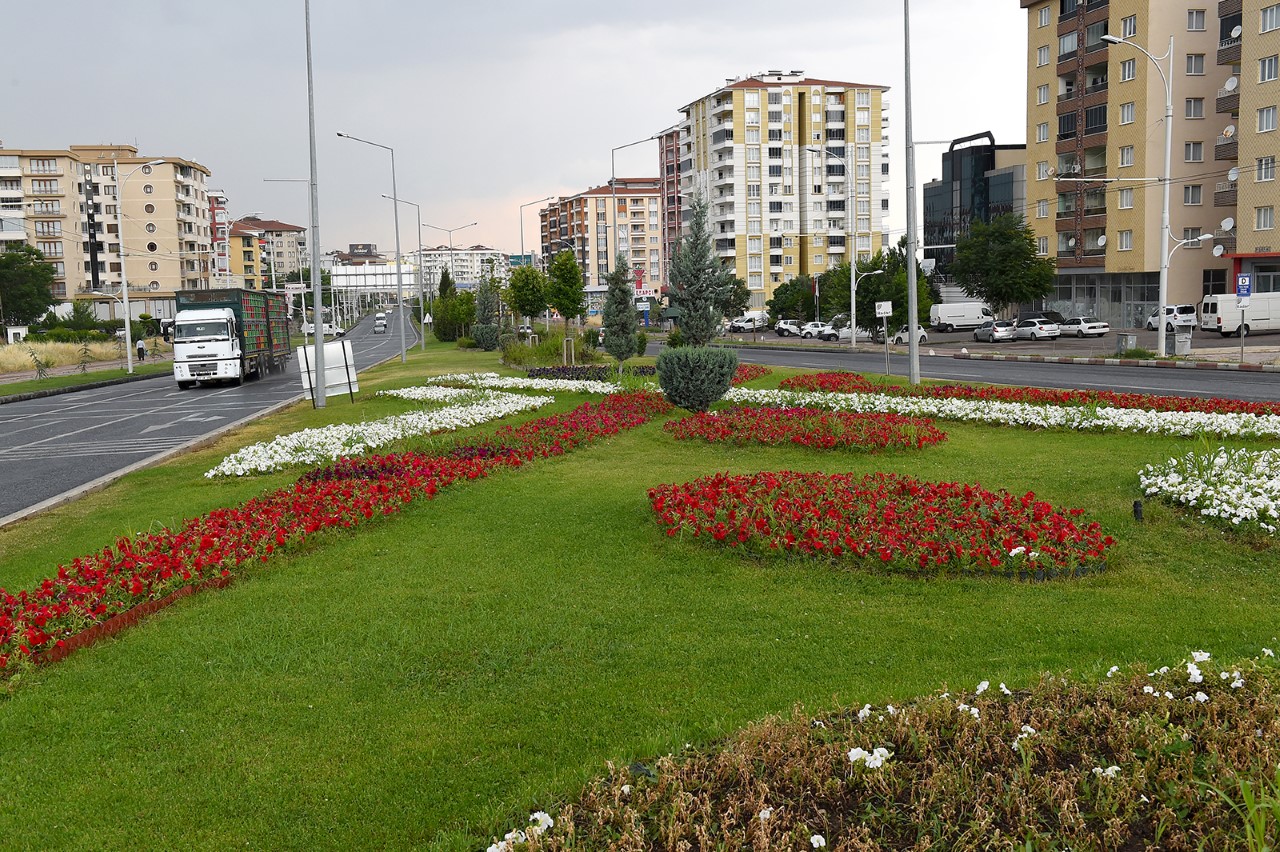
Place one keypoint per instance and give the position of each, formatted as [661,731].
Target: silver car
[1085,327]
[994,330]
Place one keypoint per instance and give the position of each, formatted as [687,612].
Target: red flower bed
[855,383]
[885,521]
[808,427]
[36,624]
[747,372]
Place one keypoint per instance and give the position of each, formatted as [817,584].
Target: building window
[1191,236]
[1044,16]
[1067,45]
[1042,132]
[1266,168]
[1193,152]
[1191,194]
[1195,20]
[753,116]
[1042,94]
[1042,246]
[1042,56]
[1126,113]
[1270,19]
[1195,64]
[1266,119]
[44,167]
[148,188]
[1125,198]
[1042,170]
[1267,68]
[50,249]
[1042,209]
[1128,69]
[1195,108]
[1126,241]
[152,247]
[151,228]
[1129,26]
[863,99]
[1264,218]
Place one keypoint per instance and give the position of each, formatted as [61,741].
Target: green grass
[432,678]
[86,378]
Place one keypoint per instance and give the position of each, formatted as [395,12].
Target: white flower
[864,713]
[1148,689]
[765,814]
[542,821]
[1111,671]
[1169,695]
[982,687]
[873,759]
[1027,732]
[857,753]
[1193,673]
[817,841]
[1201,697]
[1005,689]
[1017,551]
[1238,682]
[1109,772]
[1199,656]
[1267,652]
[890,710]
[626,789]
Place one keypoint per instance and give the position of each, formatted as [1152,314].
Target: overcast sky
[487,104]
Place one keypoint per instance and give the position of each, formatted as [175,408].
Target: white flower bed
[430,394]
[492,381]
[1240,487]
[1091,418]
[328,443]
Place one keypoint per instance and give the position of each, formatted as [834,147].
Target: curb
[1121,362]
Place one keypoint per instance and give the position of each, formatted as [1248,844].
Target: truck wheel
[186,385]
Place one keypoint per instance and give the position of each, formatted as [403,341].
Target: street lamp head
[154,163]
[1113,39]
[343,135]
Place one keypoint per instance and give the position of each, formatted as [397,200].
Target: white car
[1035,329]
[816,329]
[904,336]
[1084,327]
[842,334]
[786,327]
[1175,316]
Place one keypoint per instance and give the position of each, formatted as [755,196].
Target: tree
[882,288]
[446,288]
[527,293]
[26,285]
[792,300]
[566,291]
[698,280]
[997,263]
[620,321]
[488,297]
[737,298]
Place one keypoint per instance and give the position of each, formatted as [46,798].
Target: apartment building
[245,251]
[771,154]
[284,248]
[602,221]
[70,203]
[1095,149]
[980,181]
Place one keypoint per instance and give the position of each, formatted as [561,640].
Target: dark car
[1052,316]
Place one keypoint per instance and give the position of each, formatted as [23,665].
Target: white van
[1175,317]
[1220,314]
[379,317]
[949,317]
[750,321]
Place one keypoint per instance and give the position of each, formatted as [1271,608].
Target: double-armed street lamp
[396,217]
[422,303]
[449,231]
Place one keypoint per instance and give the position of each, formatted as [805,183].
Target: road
[56,445]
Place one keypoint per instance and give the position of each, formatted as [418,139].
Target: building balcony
[1226,148]
[1226,239]
[48,173]
[11,171]
[1227,8]
[48,193]
[1229,51]
[1224,195]
[1228,101]
[1068,96]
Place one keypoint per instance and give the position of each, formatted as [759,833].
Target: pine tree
[620,321]
[698,281]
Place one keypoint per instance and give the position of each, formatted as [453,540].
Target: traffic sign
[1244,286]
[884,309]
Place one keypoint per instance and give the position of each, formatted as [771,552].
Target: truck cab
[206,347]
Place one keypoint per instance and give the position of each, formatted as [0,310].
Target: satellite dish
[1218,250]
[1236,31]
[1052,171]
[1231,85]
[1232,174]
[1229,131]
[1071,243]
[1228,223]
[1102,240]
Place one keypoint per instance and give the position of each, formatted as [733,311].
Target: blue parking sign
[1244,286]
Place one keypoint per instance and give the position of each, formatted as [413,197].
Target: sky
[488,105]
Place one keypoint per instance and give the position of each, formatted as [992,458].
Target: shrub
[676,339]
[466,343]
[694,378]
[486,336]
[591,338]
[642,340]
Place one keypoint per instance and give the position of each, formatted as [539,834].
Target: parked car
[1036,328]
[904,336]
[815,329]
[993,331]
[1183,316]
[1052,316]
[1084,327]
[786,327]
[842,334]
[750,321]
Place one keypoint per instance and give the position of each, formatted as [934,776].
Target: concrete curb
[105,383]
[1121,362]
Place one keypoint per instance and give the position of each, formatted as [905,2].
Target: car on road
[1084,327]
[380,326]
[1176,316]
[842,334]
[1036,328]
[903,336]
[993,331]
[1052,316]
[816,329]
[786,327]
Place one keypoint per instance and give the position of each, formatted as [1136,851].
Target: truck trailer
[226,335]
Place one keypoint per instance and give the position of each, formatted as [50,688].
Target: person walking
[142,349]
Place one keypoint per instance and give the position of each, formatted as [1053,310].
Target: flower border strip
[814,428]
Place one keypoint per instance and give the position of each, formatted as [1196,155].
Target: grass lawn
[89,377]
[433,677]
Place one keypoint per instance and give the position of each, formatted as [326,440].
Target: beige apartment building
[284,248]
[598,223]
[795,169]
[1095,147]
[69,204]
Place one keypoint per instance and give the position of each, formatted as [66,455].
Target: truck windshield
[200,330]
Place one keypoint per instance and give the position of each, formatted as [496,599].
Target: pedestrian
[142,349]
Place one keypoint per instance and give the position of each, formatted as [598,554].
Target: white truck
[954,315]
[228,335]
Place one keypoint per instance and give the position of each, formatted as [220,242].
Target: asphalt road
[56,445]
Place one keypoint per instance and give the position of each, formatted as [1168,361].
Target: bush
[591,338]
[642,340]
[694,378]
[466,343]
[675,339]
[486,336]
[67,335]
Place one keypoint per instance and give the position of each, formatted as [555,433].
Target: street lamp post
[396,217]
[452,274]
[317,278]
[853,301]
[845,161]
[1165,252]
[301,283]
[422,301]
[522,206]
[124,275]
